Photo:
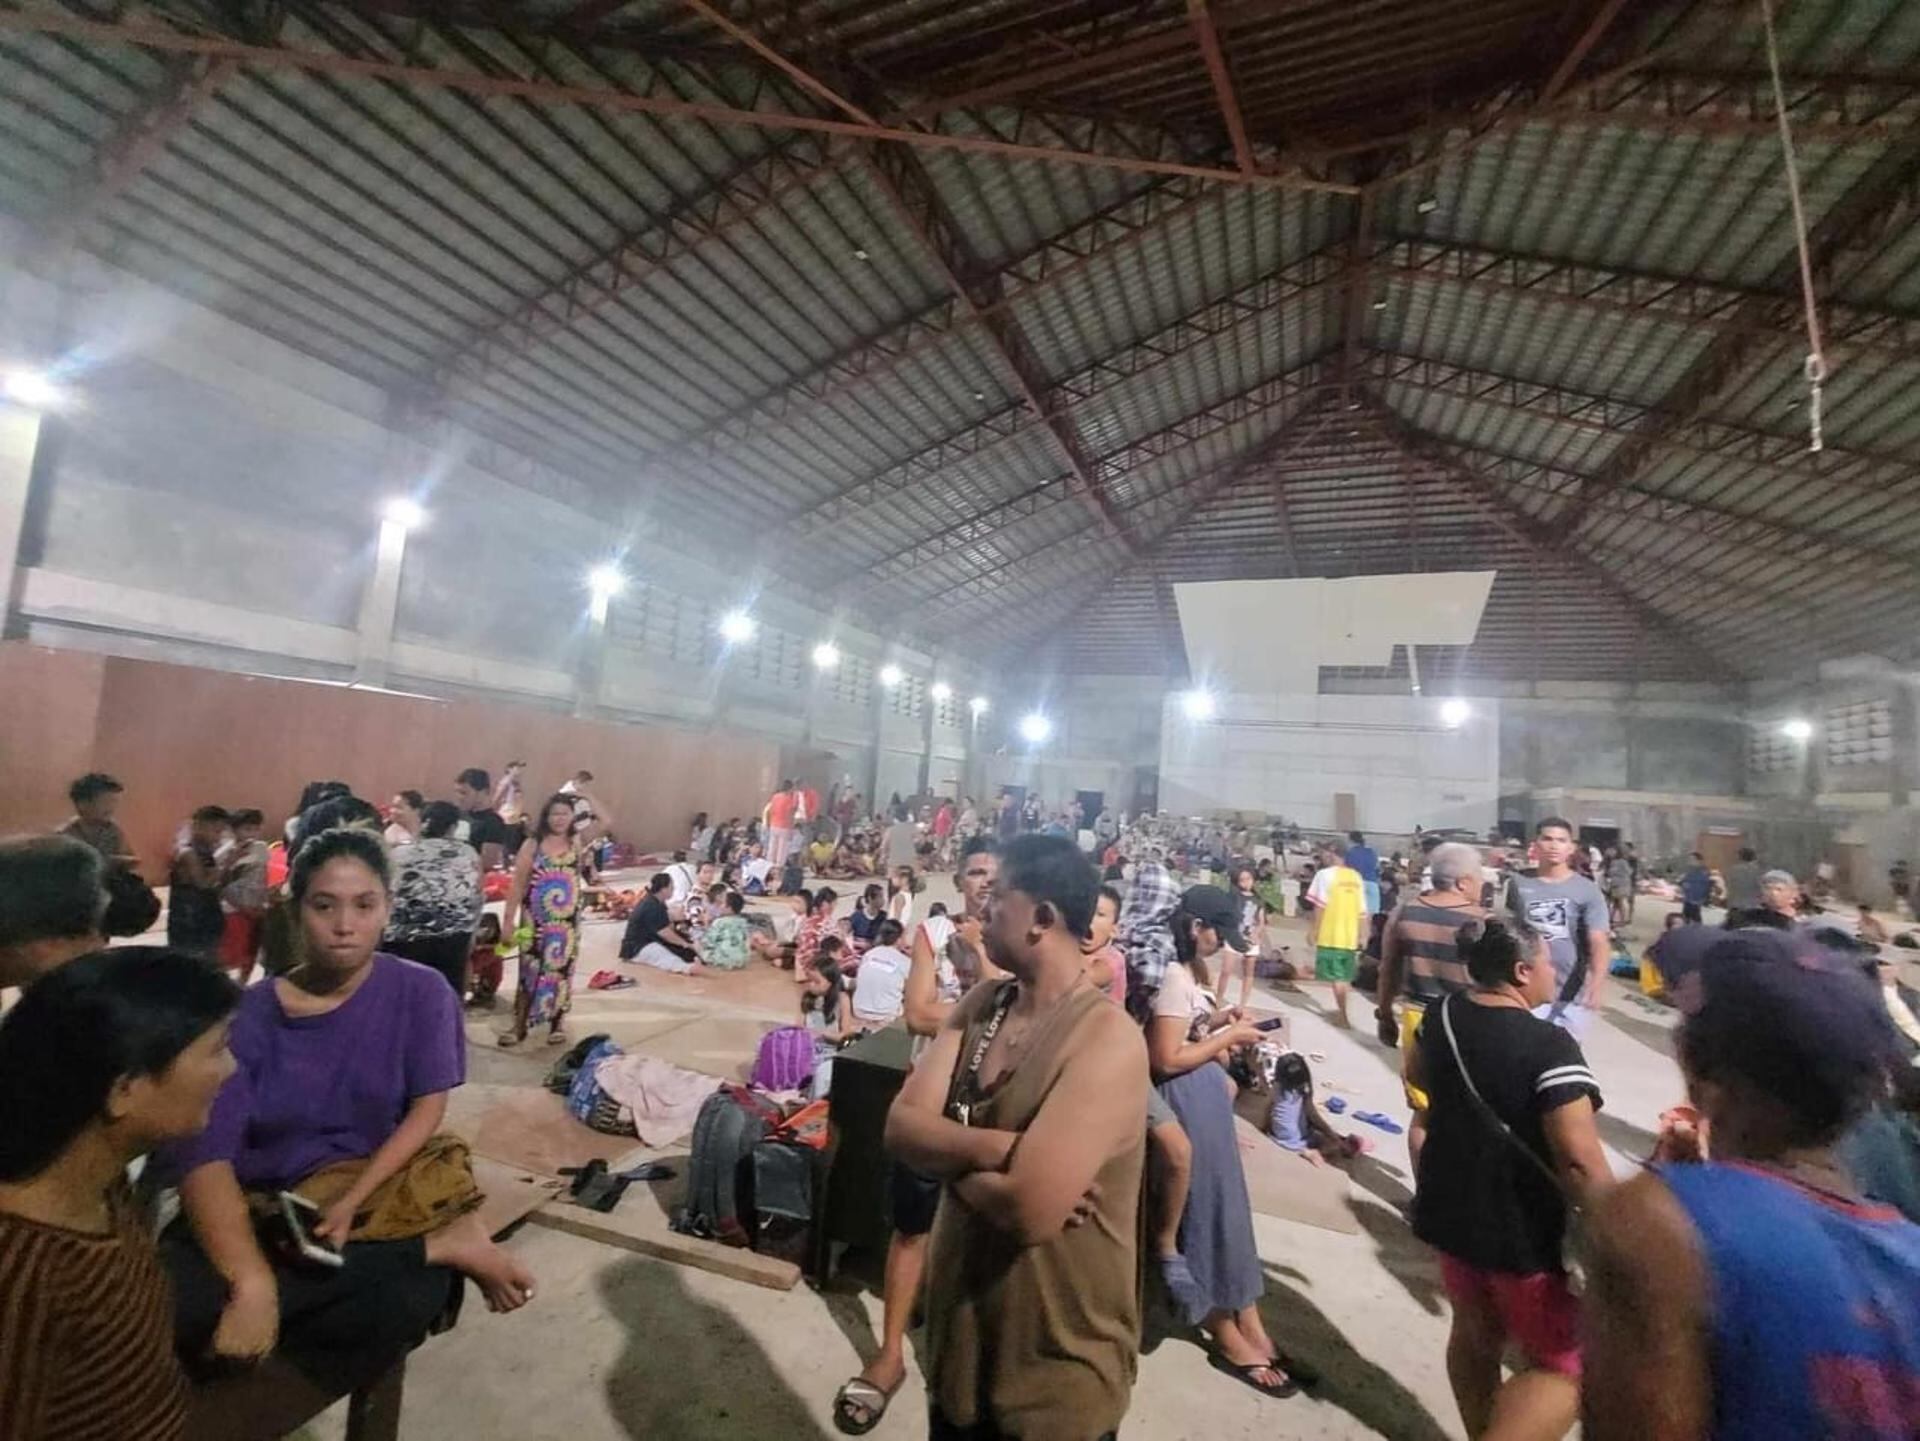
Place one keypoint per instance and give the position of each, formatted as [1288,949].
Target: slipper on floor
[1244,1375]
[866,1397]
[1385,1123]
[1335,1104]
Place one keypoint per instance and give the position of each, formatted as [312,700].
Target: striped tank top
[1433,965]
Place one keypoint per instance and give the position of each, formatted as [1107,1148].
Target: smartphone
[300,1215]
[1272,1023]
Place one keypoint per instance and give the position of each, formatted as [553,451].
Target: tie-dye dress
[553,908]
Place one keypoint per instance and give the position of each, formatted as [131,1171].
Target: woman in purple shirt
[344,1068]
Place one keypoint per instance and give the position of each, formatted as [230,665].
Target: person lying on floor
[344,1066]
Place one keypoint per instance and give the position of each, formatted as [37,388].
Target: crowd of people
[1067,1127]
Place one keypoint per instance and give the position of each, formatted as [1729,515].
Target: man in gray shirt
[1567,909]
[1743,883]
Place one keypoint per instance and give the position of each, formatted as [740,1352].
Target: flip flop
[1384,1123]
[868,1398]
[1337,1105]
[1244,1375]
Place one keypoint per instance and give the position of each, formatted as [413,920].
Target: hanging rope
[1816,363]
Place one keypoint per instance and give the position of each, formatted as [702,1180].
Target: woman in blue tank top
[1758,1296]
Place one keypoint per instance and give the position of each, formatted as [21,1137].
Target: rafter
[139,139]
[1857,219]
[661,241]
[907,187]
[1152,515]
[1207,36]
[1194,330]
[1682,300]
[1103,236]
[1840,475]
[280,57]
[1537,536]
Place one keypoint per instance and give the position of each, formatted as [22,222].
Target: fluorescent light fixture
[1198,705]
[606,581]
[1797,729]
[1035,728]
[891,676]
[32,388]
[404,513]
[979,705]
[1454,712]
[941,692]
[737,627]
[1425,205]
[826,655]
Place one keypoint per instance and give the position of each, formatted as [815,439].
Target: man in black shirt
[651,937]
[486,832]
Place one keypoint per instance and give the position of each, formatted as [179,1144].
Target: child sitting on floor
[1295,1123]
[485,964]
[825,1003]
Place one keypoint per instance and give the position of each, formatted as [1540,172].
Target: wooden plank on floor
[512,1193]
[643,1229]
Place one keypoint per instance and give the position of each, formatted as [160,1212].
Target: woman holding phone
[1216,1279]
[345,1065]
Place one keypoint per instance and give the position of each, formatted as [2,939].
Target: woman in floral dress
[546,880]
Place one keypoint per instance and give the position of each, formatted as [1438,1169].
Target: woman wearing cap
[1216,1279]
[1510,1138]
[1757,1295]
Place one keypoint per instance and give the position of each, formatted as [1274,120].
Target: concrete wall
[1667,747]
[1291,755]
[212,498]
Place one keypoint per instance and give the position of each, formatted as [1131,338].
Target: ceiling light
[1035,728]
[826,655]
[979,705]
[1198,705]
[1454,712]
[1425,205]
[404,513]
[859,254]
[1797,729]
[891,676]
[606,581]
[1380,304]
[737,627]
[32,388]
[941,692]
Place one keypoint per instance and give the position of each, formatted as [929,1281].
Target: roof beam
[281,57]
[1681,300]
[139,138]
[1577,53]
[1890,187]
[1196,329]
[1784,456]
[1207,36]
[1102,236]
[907,187]
[661,241]
[1286,391]
[1538,537]
[805,79]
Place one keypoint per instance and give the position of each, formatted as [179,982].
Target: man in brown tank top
[1031,1109]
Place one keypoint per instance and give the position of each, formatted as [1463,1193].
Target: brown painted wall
[180,737]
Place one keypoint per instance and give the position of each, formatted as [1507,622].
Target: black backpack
[719,1204]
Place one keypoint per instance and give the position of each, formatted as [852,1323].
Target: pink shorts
[1537,1310]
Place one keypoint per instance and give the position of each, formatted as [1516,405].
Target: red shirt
[780,811]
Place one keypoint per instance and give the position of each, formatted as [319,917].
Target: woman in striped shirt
[102,1060]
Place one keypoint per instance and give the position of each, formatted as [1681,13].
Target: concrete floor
[622,1346]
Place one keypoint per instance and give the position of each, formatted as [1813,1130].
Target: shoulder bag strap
[1480,1101]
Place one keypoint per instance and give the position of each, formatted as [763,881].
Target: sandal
[1245,1374]
[558,1037]
[507,1040]
[859,1406]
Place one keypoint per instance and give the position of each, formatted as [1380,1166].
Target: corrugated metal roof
[1561,335]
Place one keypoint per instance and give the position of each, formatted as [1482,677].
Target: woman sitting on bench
[104,1058]
[344,1068]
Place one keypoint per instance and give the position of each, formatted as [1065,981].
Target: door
[1346,811]
[1720,848]
[1091,804]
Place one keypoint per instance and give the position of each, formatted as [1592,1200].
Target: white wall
[1289,755]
